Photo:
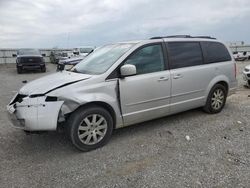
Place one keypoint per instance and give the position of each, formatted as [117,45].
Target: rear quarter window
[215,52]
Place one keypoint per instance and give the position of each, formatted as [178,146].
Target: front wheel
[216,99]
[19,70]
[43,69]
[90,127]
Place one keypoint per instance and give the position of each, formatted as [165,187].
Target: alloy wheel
[217,99]
[92,129]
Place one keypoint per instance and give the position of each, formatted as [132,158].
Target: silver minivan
[127,83]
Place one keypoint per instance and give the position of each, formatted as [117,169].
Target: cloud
[64,23]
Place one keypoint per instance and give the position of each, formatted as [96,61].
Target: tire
[85,135]
[19,70]
[216,99]
[248,81]
[43,69]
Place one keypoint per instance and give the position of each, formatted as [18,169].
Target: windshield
[102,59]
[28,52]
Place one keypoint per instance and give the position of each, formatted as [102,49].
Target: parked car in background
[64,55]
[79,55]
[241,56]
[29,59]
[127,83]
[71,61]
[246,75]
[83,50]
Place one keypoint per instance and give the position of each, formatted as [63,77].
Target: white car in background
[83,50]
[241,56]
[78,55]
[246,74]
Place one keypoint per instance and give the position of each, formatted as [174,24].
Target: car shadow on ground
[58,142]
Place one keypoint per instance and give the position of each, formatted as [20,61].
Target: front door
[145,95]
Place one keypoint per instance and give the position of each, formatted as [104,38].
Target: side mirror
[14,55]
[60,66]
[128,70]
[44,55]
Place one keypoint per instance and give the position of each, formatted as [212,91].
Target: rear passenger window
[215,52]
[184,54]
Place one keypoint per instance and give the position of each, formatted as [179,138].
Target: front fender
[106,92]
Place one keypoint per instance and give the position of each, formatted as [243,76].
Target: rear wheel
[216,99]
[90,127]
[248,83]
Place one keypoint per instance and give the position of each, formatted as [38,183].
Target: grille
[30,60]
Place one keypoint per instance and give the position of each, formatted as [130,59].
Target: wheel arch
[225,84]
[223,80]
[102,104]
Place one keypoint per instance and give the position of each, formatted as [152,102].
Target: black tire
[211,106]
[43,69]
[248,83]
[19,70]
[77,119]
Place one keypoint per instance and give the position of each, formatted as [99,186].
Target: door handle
[177,76]
[163,79]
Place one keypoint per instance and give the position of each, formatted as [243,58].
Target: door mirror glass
[128,70]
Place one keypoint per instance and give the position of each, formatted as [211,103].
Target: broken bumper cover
[17,123]
[34,114]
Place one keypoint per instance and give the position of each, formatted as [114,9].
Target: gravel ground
[152,154]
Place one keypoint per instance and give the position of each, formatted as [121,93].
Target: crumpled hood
[52,81]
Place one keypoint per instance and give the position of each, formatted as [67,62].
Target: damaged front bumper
[34,113]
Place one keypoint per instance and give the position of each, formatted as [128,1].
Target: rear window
[184,54]
[215,52]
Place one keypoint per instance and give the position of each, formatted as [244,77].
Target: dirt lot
[152,154]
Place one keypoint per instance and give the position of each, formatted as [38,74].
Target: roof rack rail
[172,36]
[205,37]
[183,36]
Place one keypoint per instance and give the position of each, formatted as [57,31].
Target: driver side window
[148,59]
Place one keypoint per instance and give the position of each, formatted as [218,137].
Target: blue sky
[66,23]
